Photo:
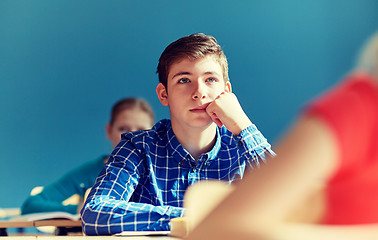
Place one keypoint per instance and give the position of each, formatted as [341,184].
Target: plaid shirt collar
[182,156]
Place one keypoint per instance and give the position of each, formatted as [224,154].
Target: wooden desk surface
[15,224]
[46,237]
[58,223]
[66,223]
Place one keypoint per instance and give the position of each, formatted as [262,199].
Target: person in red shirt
[323,183]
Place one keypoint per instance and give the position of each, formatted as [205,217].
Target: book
[46,216]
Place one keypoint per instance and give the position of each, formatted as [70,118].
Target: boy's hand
[226,110]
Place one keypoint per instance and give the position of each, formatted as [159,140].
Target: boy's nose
[198,93]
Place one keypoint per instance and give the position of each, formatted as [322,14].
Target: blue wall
[64,63]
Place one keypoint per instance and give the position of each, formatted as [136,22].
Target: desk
[89,238]
[66,224]
[61,224]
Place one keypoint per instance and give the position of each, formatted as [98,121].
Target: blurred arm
[306,156]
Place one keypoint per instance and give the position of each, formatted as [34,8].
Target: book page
[46,216]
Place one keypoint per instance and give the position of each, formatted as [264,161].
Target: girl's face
[128,120]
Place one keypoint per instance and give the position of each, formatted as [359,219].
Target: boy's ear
[228,88]
[162,94]
[108,130]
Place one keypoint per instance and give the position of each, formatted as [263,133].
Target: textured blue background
[64,63]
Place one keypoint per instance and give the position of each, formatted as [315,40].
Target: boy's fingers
[215,119]
[220,95]
[217,122]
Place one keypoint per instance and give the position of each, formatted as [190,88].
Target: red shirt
[351,110]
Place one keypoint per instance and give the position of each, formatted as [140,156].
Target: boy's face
[192,85]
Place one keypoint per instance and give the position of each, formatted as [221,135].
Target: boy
[208,137]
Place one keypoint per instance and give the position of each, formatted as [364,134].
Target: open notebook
[46,216]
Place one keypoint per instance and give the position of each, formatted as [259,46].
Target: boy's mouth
[200,109]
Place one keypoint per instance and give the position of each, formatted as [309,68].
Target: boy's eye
[211,79]
[184,80]
[124,129]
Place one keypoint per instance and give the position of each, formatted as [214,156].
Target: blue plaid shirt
[142,185]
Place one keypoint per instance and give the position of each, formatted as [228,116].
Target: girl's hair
[129,103]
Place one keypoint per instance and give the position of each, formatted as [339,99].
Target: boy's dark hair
[194,46]
[130,103]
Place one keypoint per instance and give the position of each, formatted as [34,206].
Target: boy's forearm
[238,126]
[121,216]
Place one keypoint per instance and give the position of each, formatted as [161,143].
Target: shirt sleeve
[108,209]
[253,146]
